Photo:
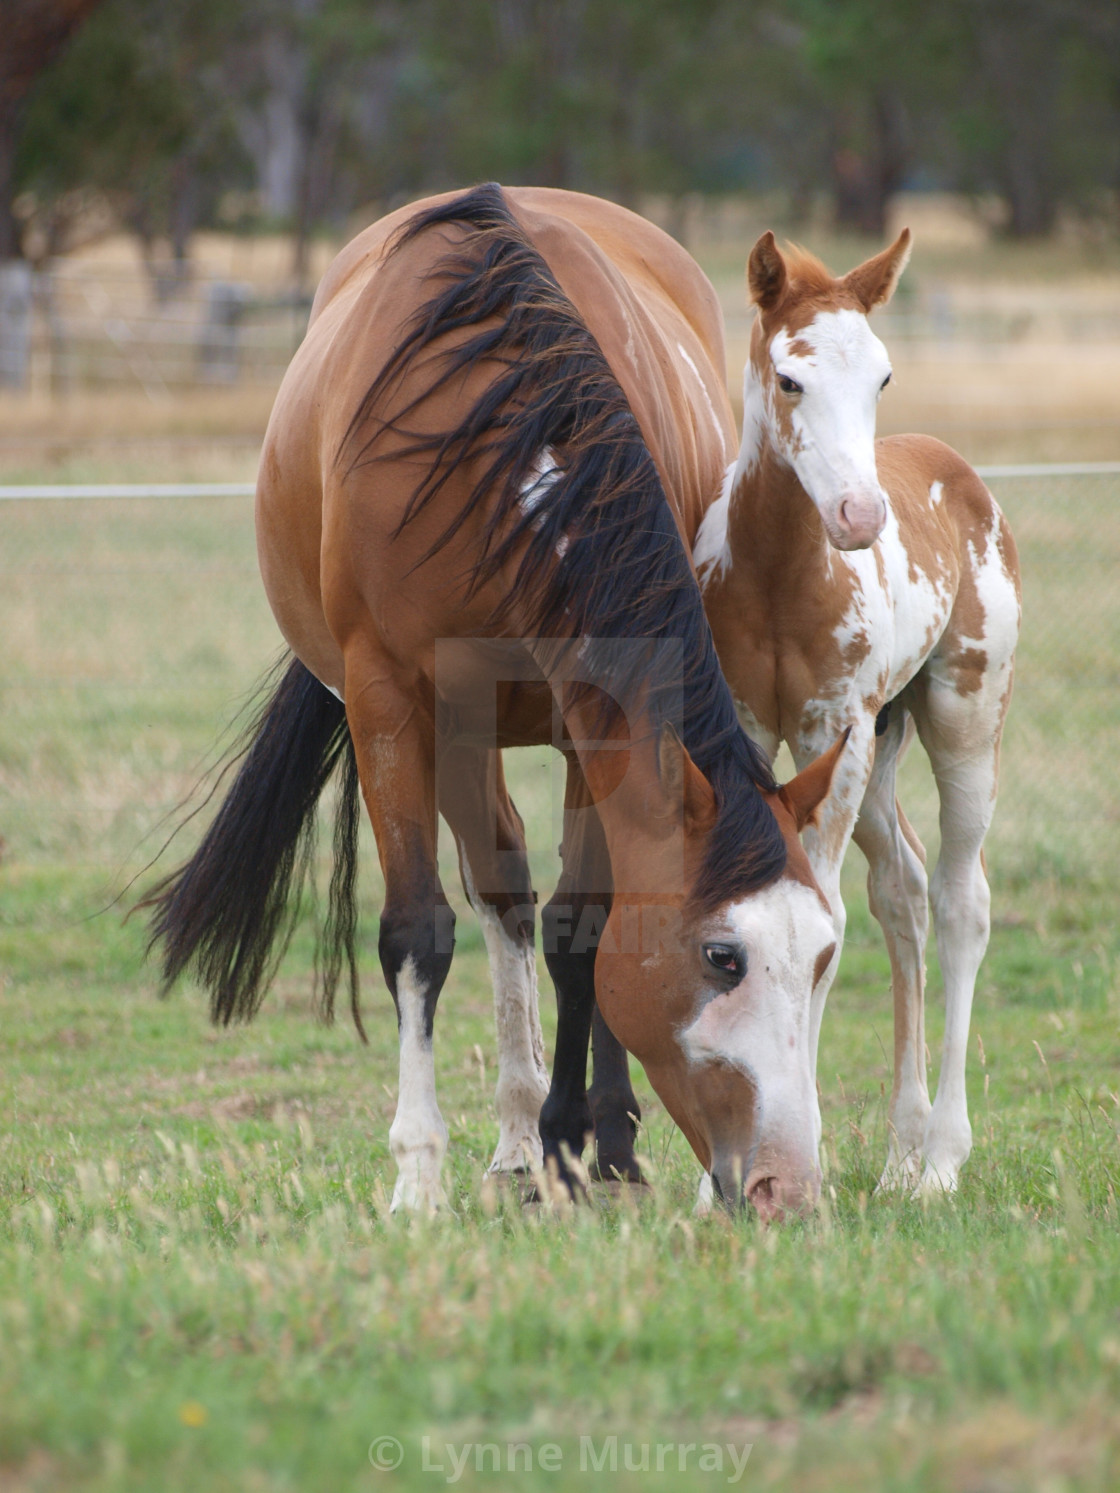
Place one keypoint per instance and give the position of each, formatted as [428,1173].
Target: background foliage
[294,113]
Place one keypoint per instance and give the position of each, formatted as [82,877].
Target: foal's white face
[821,386]
[814,377]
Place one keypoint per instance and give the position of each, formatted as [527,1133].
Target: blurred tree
[872,69]
[308,79]
[138,109]
[1035,110]
[315,106]
[35,31]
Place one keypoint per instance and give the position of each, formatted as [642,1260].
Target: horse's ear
[766,273]
[684,783]
[804,794]
[873,282]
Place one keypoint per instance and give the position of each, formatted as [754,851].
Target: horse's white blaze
[711,551]
[827,433]
[522,1078]
[762,1026]
[936,493]
[716,426]
[418,1135]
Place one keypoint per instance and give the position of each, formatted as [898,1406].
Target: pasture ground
[199,1282]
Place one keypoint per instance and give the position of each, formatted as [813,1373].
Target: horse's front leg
[614,1106]
[495,872]
[394,742]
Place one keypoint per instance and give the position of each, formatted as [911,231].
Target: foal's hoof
[901,1173]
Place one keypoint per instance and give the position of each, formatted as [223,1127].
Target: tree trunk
[10,245]
[35,31]
[864,181]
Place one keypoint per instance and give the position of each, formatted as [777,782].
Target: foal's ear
[684,783]
[873,282]
[804,794]
[766,273]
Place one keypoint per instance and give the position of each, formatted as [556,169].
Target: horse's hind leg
[495,870]
[395,748]
[960,731]
[897,895]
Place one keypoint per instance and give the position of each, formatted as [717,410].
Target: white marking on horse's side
[711,552]
[936,493]
[543,476]
[418,1135]
[522,1076]
[716,426]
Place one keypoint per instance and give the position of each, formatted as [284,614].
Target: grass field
[199,1282]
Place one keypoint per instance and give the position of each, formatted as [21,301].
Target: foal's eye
[727,960]
[885,382]
[789,385]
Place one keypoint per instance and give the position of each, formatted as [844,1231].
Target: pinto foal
[872,585]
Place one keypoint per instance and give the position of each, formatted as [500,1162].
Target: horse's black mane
[600,553]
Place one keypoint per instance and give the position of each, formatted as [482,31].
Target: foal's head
[814,377]
[712,990]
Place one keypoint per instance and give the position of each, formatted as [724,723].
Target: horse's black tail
[230,910]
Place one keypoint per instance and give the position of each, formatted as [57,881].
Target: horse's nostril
[762,1197]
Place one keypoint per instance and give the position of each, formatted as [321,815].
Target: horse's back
[649,306]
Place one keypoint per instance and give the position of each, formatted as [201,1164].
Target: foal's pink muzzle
[858,520]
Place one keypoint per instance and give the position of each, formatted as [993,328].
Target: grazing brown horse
[872,586]
[475,494]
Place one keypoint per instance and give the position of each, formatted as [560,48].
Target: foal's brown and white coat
[873,585]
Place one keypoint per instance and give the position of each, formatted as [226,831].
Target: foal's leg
[495,871]
[571,923]
[897,895]
[395,747]
[960,731]
[827,841]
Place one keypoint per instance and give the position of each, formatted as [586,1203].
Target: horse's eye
[789,385]
[727,960]
[885,382]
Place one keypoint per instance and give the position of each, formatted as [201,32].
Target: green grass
[199,1282]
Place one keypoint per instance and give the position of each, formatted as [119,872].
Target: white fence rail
[1056,470]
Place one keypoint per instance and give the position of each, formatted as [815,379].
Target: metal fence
[71,326]
[132,623]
